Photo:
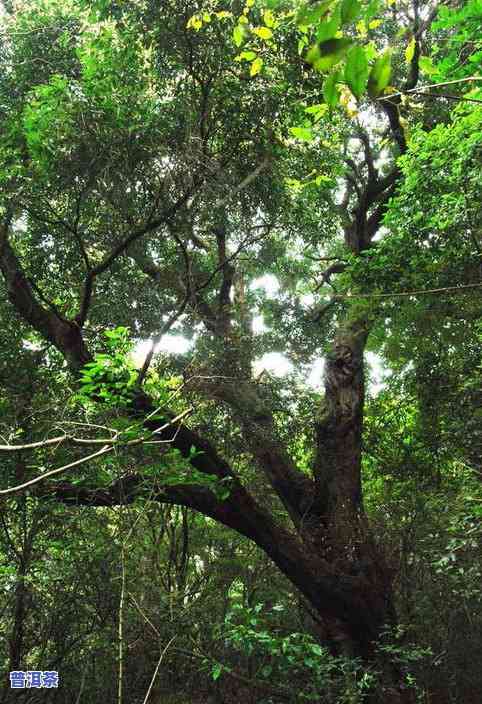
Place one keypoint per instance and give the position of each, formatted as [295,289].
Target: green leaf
[328,29]
[316,109]
[410,51]
[263,32]
[269,18]
[331,93]
[238,34]
[356,70]
[372,9]
[379,77]
[194,22]
[325,55]
[323,180]
[426,65]
[256,67]
[350,9]
[316,649]
[246,56]
[216,671]
[303,133]
[312,12]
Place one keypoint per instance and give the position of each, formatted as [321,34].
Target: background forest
[240,371]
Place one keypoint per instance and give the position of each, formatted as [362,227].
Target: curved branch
[345,597]
[135,235]
[295,489]
[64,334]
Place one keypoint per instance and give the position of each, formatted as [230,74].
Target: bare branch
[53,472]
[468,79]
[244,183]
[164,651]
[372,172]
[157,338]
[150,226]
[337,268]
[33,445]
[108,447]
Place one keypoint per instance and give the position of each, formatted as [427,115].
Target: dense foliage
[240,378]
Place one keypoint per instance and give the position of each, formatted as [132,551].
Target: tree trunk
[338,524]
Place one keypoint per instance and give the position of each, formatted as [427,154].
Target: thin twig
[245,182]
[144,615]
[104,450]
[408,293]
[91,441]
[434,85]
[146,698]
[447,96]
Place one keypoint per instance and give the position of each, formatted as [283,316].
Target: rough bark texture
[339,430]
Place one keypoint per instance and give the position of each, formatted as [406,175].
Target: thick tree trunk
[339,430]
[338,525]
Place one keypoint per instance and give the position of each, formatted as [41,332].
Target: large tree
[155,165]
